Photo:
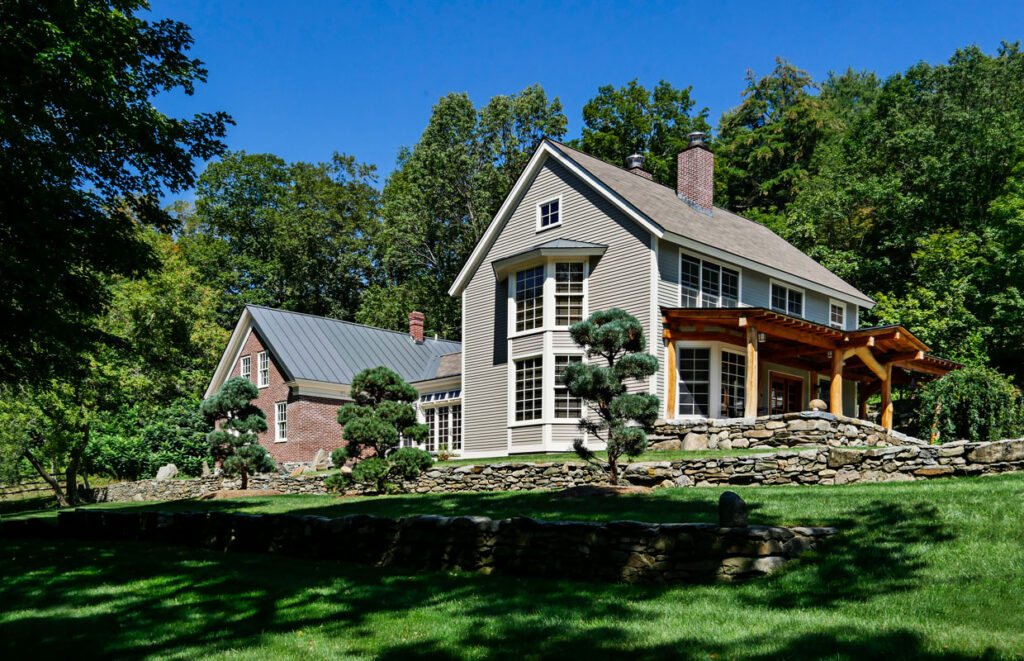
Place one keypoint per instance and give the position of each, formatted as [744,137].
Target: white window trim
[260,357]
[561,211]
[545,358]
[421,417]
[840,304]
[772,282]
[243,362]
[700,297]
[715,378]
[277,422]
[548,294]
[549,387]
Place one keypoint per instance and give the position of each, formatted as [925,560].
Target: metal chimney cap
[635,162]
[697,138]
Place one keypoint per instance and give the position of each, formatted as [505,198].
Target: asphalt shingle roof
[723,229]
[333,351]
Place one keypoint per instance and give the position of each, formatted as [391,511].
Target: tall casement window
[430,416]
[836,315]
[567,407]
[530,298]
[734,379]
[549,214]
[529,389]
[263,363]
[245,371]
[457,428]
[788,300]
[568,293]
[281,421]
[694,381]
[708,285]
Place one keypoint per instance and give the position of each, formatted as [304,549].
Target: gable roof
[308,347]
[664,214]
[559,247]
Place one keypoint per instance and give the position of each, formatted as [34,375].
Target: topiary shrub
[383,474]
[236,444]
[409,463]
[974,403]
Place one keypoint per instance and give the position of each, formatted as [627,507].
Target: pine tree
[235,443]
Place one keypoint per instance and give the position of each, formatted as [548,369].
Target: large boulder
[673,444]
[694,441]
[320,460]
[166,472]
[732,510]
[996,452]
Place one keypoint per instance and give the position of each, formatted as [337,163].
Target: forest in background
[910,186]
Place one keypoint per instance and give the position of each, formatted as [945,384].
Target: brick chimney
[695,182]
[635,164]
[416,320]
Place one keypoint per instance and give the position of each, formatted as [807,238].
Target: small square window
[549,214]
[837,315]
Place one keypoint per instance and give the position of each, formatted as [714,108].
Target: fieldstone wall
[772,431]
[819,465]
[627,551]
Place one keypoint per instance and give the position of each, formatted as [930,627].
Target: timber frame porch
[876,358]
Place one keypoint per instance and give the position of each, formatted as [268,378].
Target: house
[742,323]
[303,365]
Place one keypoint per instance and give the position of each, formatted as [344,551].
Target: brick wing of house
[742,322]
[303,367]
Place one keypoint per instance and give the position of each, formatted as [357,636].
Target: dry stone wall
[802,429]
[627,551]
[821,465]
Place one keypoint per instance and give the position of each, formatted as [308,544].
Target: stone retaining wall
[772,431]
[627,551]
[811,466]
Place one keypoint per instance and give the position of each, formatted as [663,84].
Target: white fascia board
[726,256]
[312,388]
[508,264]
[231,351]
[544,151]
[443,383]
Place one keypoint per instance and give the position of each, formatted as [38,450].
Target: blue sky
[303,79]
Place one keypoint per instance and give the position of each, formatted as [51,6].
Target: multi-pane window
[566,406]
[837,315]
[442,428]
[694,381]
[430,416]
[281,421]
[734,379]
[530,299]
[245,371]
[708,285]
[456,444]
[568,293]
[550,214]
[790,301]
[529,389]
[263,363]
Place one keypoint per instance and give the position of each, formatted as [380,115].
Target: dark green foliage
[85,158]
[236,442]
[409,463]
[631,119]
[975,403]
[383,474]
[383,410]
[133,443]
[616,338]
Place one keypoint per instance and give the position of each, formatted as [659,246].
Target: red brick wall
[312,421]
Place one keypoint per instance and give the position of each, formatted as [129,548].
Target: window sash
[529,389]
[281,420]
[264,368]
[430,415]
[530,298]
[456,444]
[734,384]
[707,284]
[245,369]
[567,407]
[837,316]
[568,293]
[550,214]
[790,301]
[694,378]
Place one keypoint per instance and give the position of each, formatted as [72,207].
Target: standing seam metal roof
[334,351]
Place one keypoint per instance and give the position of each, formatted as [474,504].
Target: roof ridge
[343,321]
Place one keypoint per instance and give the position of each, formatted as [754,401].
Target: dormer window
[549,214]
[788,300]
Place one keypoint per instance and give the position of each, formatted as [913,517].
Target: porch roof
[806,344]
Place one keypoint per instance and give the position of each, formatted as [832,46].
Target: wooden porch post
[835,406]
[887,397]
[672,376]
[750,392]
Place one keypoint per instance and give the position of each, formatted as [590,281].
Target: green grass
[924,570]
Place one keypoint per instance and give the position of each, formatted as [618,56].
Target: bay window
[567,407]
[529,389]
[568,293]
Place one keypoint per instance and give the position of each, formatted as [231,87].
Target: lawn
[931,570]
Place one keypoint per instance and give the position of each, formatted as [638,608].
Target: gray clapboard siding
[532,435]
[620,278]
[527,345]
[565,433]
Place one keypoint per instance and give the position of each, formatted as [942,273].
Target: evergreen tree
[236,442]
[615,338]
[383,409]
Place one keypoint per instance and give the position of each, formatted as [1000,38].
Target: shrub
[236,443]
[974,403]
[409,463]
[384,474]
[382,411]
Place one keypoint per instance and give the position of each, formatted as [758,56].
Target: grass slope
[928,570]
